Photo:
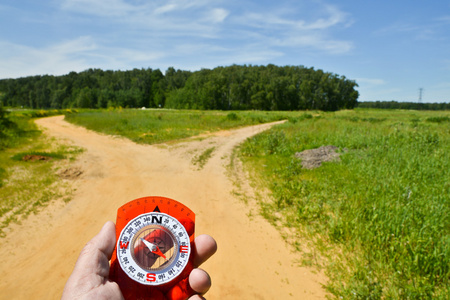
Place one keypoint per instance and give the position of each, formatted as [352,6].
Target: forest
[236,87]
[404,105]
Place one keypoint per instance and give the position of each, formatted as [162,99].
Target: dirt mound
[32,157]
[71,173]
[313,158]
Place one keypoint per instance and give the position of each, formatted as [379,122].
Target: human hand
[89,279]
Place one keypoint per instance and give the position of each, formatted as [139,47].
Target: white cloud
[217,15]
[19,60]
[80,45]
[334,17]
[123,58]
[124,34]
[165,9]
[281,29]
[330,17]
[72,55]
[203,19]
[132,12]
[166,19]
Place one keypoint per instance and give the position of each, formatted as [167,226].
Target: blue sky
[391,48]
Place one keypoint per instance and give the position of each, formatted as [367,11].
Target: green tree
[86,98]
[234,87]
[6,127]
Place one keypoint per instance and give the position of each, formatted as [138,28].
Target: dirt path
[253,261]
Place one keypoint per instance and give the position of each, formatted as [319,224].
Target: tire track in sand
[253,261]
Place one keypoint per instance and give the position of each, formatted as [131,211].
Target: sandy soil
[253,261]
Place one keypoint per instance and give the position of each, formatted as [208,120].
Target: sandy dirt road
[252,262]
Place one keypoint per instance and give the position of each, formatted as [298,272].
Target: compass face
[153,248]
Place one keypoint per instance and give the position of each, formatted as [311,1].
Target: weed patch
[438,119]
[203,158]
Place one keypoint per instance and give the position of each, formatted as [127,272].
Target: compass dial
[153,248]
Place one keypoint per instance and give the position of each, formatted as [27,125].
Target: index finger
[204,247]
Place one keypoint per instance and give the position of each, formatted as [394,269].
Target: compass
[153,254]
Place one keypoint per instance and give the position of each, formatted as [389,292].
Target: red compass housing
[154,251]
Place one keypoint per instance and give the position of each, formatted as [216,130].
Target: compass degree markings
[158,273]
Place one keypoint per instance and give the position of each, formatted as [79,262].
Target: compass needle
[150,246]
[153,248]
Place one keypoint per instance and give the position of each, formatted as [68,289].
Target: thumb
[95,256]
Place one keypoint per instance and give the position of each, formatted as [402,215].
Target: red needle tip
[158,252]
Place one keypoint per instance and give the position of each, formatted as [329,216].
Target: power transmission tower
[420,95]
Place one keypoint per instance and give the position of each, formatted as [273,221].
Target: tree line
[404,105]
[225,88]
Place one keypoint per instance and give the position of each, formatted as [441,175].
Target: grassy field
[381,216]
[25,185]
[377,220]
[162,125]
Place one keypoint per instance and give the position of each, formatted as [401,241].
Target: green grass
[380,217]
[27,186]
[40,113]
[203,158]
[161,125]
